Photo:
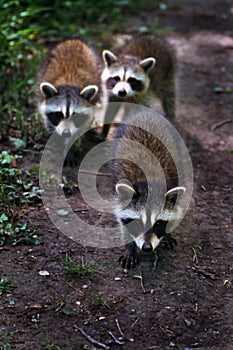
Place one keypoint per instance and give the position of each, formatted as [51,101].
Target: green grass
[80,268]
[97,302]
[51,346]
[5,285]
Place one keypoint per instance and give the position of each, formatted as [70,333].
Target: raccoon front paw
[129,260]
[70,162]
[71,159]
[169,242]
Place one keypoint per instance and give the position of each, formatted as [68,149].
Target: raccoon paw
[129,260]
[169,242]
[71,160]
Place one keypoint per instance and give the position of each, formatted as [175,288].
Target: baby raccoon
[69,83]
[140,71]
[148,199]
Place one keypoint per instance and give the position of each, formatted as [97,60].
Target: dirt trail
[191,306]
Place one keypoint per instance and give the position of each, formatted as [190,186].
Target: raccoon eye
[55,117]
[136,85]
[132,80]
[79,119]
[160,228]
[112,82]
[126,221]
[116,78]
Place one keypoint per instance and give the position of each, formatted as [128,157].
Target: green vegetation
[80,268]
[50,346]
[4,345]
[16,188]
[16,185]
[97,302]
[5,285]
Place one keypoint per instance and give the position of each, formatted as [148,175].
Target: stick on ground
[90,339]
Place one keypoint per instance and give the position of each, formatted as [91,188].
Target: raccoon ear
[147,64]
[109,58]
[89,92]
[48,90]
[171,195]
[125,190]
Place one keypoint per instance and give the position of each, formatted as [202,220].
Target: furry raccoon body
[144,206]
[141,70]
[69,83]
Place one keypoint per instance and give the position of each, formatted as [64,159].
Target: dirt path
[191,306]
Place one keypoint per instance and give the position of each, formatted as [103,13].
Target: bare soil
[188,302]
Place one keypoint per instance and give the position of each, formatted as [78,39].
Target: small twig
[218,125]
[141,279]
[202,270]
[117,341]
[195,259]
[134,323]
[90,339]
[119,328]
[168,332]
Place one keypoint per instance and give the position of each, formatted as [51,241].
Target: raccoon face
[124,77]
[65,110]
[145,225]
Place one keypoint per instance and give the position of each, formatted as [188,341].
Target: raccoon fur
[138,72]
[145,205]
[69,83]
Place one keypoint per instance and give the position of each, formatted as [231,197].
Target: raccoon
[141,70]
[145,206]
[69,83]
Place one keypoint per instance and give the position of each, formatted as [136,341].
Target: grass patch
[5,285]
[99,303]
[80,268]
[51,346]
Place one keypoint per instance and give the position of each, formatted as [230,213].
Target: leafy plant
[17,232]
[16,187]
[5,285]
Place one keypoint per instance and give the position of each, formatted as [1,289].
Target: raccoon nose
[147,247]
[66,133]
[122,93]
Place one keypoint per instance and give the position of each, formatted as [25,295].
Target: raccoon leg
[71,159]
[111,111]
[168,241]
[167,96]
[73,154]
[129,259]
